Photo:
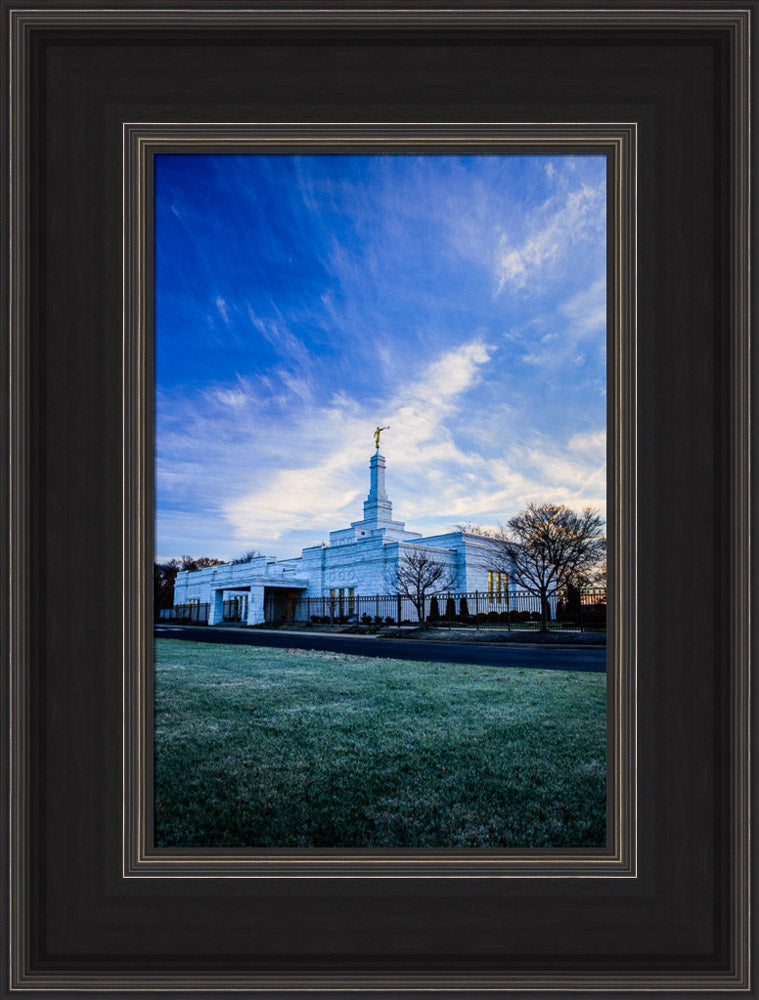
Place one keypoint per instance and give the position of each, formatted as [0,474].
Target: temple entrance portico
[268,600]
[280,603]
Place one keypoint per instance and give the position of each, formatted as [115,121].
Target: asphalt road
[587,658]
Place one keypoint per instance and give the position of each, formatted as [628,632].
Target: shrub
[434,610]
[570,603]
[463,608]
[594,614]
[450,608]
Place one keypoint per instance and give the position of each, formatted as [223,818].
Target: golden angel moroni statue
[377,435]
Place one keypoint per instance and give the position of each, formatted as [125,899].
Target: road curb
[388,639]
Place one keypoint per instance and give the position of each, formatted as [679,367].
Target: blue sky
[302,300]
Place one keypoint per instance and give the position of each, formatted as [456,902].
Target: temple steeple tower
[377,507]
[378,523]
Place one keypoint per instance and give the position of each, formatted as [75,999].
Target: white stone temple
[361,560]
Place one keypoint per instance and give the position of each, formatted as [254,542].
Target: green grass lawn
[258,747]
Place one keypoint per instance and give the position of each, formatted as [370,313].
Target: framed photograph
[448,599]
[253,247]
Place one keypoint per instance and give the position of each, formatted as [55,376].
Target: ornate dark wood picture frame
[93,92]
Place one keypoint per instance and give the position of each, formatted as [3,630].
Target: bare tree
[247,557]
[593,576]
[419,574]
[193,563]
[547,547]
[165,574]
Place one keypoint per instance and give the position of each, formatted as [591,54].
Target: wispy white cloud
[586,310]
[235,398]
[560,226]
[563,337]
[221,305]
[592,444]
[335,440]
[572,476]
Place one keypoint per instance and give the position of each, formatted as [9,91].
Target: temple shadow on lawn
[260,747]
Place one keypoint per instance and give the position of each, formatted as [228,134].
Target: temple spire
[377,523]
[377,507]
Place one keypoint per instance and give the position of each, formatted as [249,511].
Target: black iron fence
[193,612]
[519,609]
[570,609]
[235,609]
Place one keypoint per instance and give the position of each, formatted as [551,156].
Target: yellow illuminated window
[497,586]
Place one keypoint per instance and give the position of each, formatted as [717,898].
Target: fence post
[579,613]
[476,609]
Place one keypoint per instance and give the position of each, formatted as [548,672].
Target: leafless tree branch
[546,547]
[419,574]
